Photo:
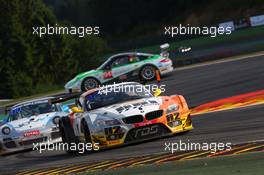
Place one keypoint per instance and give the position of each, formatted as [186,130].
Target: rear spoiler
[65,97]
[57,99]
[164,50]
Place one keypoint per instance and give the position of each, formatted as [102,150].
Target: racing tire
[86,132]
[148,73]
[67,134]
[89,83]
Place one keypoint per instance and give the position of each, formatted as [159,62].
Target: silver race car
[31,122]
[124,113]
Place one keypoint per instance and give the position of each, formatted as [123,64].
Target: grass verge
[245,164]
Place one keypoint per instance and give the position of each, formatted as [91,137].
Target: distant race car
[31,122]
[122,67]
[184,49]
[110,116]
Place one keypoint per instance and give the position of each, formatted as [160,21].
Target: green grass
[204,41]
[245,164]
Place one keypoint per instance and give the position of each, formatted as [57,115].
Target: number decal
[108,75]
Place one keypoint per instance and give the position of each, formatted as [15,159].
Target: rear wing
[60,98]
[164,50]
[65,97]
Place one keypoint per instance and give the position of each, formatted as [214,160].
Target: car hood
[134,107]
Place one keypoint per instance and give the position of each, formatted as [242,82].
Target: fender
[181,100]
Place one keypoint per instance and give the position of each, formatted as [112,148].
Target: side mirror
[157,92]
[76,110]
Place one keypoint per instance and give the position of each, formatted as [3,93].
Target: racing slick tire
[147,73]
[67,133]
[86,132]
[89,83]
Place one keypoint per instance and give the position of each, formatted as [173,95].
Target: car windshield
[104,63]
[109,96]
[30,109]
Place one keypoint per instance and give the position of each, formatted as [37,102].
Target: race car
[124,113]
[34,121]
[120,68]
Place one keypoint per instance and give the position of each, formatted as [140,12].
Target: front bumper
[72,90]
[10,145]
[144,131]
[73,87]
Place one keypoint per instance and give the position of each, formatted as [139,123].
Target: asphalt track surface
[199,85]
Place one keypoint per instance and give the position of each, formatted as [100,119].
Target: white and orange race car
[124,113]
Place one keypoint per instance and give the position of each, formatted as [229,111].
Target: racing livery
[109,116]
[31,122]
[122,67]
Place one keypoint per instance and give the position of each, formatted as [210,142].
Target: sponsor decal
[146,131]
[32,133]
[108,74]
[114,142]
[139,105]
[257,20]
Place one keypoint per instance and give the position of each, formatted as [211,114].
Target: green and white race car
[122,67]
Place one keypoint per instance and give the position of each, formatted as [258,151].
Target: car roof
[131,53]
[34,100]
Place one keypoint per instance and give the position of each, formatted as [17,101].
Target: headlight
[6,130]
[56,120]
[172,108]
[107,122]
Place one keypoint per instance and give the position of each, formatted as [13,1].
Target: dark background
[29,64]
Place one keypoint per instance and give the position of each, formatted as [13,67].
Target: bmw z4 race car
[122,67]
[31,122]
[110,117]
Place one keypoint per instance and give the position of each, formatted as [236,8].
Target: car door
[120,67]
[123,68]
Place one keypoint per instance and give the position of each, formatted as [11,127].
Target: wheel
[89,83]
[86,132]
[67,133]
[148,73]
